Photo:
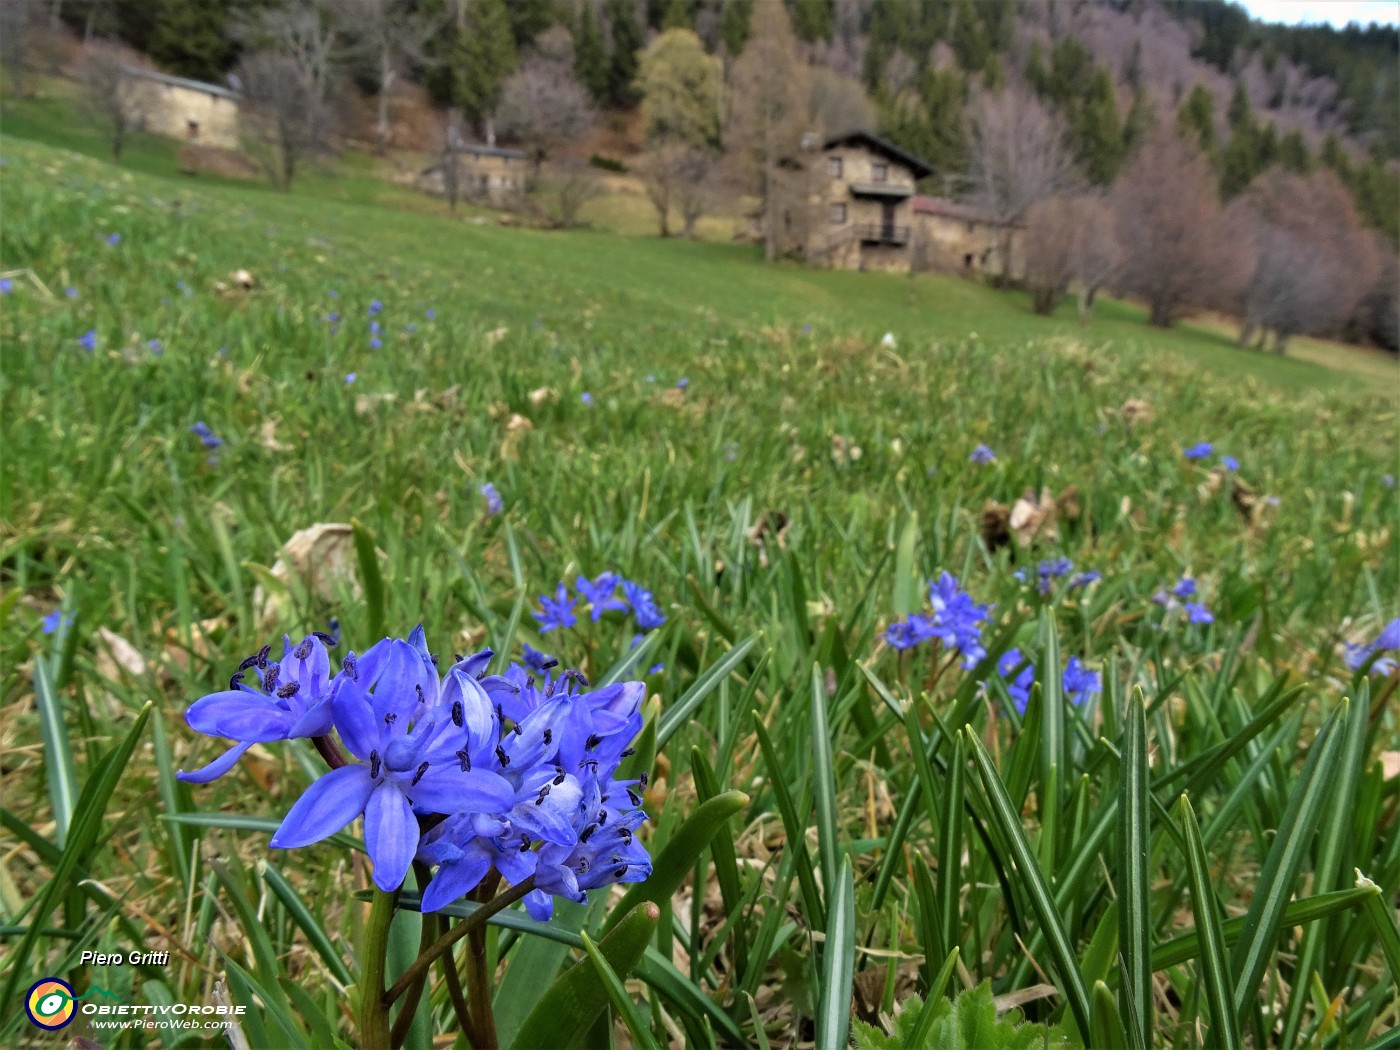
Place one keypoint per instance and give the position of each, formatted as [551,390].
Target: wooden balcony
[880,233]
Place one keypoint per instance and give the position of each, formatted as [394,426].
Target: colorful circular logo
[49,1004]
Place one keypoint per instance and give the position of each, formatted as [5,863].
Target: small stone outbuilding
[189,110]
[958,238]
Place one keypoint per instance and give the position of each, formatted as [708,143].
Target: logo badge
[49,1004]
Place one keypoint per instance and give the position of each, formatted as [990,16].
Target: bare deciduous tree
[1018,157]
[115,100]
[450,159]
[1314,264]
[392,38]
[1177,250]
[1097,256]
[542,105]
[286,121]
[571,184]
[678,176]
[767,120]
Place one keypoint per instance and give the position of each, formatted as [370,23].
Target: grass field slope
[1192,551]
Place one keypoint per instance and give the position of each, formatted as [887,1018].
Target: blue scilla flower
[600,594]
[1196,612]
[538,661]
[375,328]
[1230,463]
[982,455]
[556,613]
[72,293]
[1185,588]
[957,619]
[644,608]
[291,698]
[1084,579]
[1198,451]
[425,747]
[1388,640]
[375,306]
[494,503]
[206,436]
[376,343]
[1049,571]
[88,340]
[6,286]
[1019,676]
[1078,681]
[114,239]
[54,620]
[586,398]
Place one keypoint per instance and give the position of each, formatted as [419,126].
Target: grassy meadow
[745,442]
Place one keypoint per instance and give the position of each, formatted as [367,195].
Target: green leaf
[833,1019]
[62,779]
[621,1001]
[907,584]
[1033,879]
[368,557]
[824,781]
[968,1022]
[1225,1027]
[677,714]
[1105,1024]
[1134,881]
[569,1006]
[677,858]
[309,923]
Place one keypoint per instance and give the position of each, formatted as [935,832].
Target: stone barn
[861,192]
[958,238]
[189,110]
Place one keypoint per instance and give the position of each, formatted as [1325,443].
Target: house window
[838,214]
[833,167]
[880,172]
[192,130]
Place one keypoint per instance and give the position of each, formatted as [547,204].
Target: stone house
[861,189]
[959,238]
[189,110]
[485,172]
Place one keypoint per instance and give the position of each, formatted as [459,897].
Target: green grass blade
[617,995]
[1105,1024]
[919,1036]
[1134,880]
[677,714]
[373,582]
[1225,1025]
[824,782]
[61,777]
[833,1021]
[1033,879]
[950,845]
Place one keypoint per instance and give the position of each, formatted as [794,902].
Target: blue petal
[216,768]
[448,790]
[402,682]
[391,836]
[553,818]
[328,805]
[454,881]
[317,720]
[540,905]
[354,718]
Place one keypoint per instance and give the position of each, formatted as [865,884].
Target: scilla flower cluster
[955,622]
[461,769]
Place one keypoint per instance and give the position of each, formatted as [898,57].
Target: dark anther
[605,798]
[558,779]
[325,639]
[524,843]
[577,676]
[418,774]
[626,836]
[583,866]
[390,718]
[237,677]
[350,667]
[466,761]
[548,664]
[270,677]
[593,741]
[502,757]
[588,832]
[548,737]
[620,872]
[643,778]
[544,794]
[433,658]
[287,689]
[602,817]
[516,729]
[303,649]
[589,763]
[636,799]
[249,662]
[628,752]
[458,716]
[374,765]
[261,658]
[419,690]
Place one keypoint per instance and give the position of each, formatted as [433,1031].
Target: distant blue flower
[206,436]
[983,455]
[1049,571]
[350,377]
[1199,451]
[430,314]
[375,343]
[955,622]
[54,620]
[156,347]
[1078,681]
[1388,640]
[651,379]
[644,608]
[1084,579]
[332,318]
[1230,463]
[599,594]
[1197,613]
[1388,480]
[586,398]
[1185,588]
[410,328]
[114,239]
[88,340]
[376,328]
[1019,687]
[682,383]
[375,307]
[6,286]
[72,293]
[333,293]
[182,286]
[292,698]
[656,669]
[494,503]
[558,613]
[806,329]
[538,661]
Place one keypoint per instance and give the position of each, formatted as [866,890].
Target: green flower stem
[479,989]
[374,1006]
[454,990]
[404,1021]
[445,942]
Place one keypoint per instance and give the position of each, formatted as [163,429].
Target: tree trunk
[386,85]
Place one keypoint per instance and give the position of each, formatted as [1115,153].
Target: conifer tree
[485,57]
[1099,135]
[626,42]
[734,25]
[811,19]
[590,55]
[1197,119]
[1293,153]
